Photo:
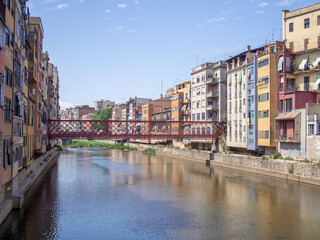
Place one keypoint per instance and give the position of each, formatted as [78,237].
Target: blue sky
[116,49]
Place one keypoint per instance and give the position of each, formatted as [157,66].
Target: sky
[117,49]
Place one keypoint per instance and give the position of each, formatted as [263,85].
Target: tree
[103,114]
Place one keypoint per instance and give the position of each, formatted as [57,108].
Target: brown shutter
[291,46]
[306,42]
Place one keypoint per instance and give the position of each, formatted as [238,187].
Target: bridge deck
[117,129]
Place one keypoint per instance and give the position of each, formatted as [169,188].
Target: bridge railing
[117,129]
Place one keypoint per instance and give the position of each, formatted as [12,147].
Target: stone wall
[293,170]
[313,150]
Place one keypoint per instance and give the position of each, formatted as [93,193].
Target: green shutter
[240,76]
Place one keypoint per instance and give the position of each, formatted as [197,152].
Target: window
[203,116]
[203,78]
[7,110]
[288,67]
[203,90]
[230,95]
[264,80]
[310,129]
[6,152]
[290,27]
[235,92]
[244,86]
[193,117]
[198,79]
[203,103]
[289,105]
[244,72]
[318,20]
[264,134]
[17,110]
[8,3]
[281,106]
[198,104]
[12,37]
[263,62]
[193,105]
[193,92]
[1,95]
[230,107]
[198,91]
[244,128]
[198,116]
[280,64]
[306,83]
[7,36]
[193,81]
[307,23]
[263,114]
[263,97]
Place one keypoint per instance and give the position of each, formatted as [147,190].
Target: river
[111,194]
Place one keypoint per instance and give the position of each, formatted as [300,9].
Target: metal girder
[117,129]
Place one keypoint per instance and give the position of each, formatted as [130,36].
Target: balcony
[291,88]
[294,138]
[212,80]
[213,94]
[212,107]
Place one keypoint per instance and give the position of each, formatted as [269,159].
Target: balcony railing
[212,107]
[288,138]
[213,94]
[213,80]
[291,88]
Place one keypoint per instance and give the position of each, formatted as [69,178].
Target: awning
[304,63]
[280,64]
[316,63]
[316,84]
[285,116]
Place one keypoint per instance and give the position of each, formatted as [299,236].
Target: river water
[111,194]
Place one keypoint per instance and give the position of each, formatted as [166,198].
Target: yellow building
[267,97]
[301,28]
[184,104]
[177,113]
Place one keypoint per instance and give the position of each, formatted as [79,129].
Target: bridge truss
[117,129]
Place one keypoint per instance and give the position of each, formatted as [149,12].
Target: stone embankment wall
[12,194]
[293,170]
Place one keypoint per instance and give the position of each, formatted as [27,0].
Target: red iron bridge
[116,129]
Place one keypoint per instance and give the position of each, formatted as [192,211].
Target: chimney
[161,96]
[249,48]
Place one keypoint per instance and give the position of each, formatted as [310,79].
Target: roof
[285,116]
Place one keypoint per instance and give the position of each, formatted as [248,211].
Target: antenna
[273,29]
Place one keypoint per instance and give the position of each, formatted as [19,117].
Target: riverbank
[12,194]
[286,169]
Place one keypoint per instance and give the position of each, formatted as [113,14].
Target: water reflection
[110,194]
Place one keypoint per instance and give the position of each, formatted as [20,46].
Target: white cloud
[64,105]
[59,6]
[136,2]
[285,3]
[132,31]
[263,4]
[220,19]
[260,12]
[107,10]
[62,6]
[200,26]
[122,5]
[118,27]
[238,18]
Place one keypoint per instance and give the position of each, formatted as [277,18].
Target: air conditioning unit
[34,91]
